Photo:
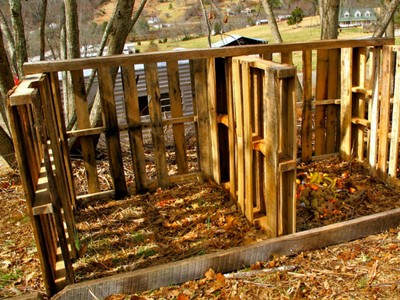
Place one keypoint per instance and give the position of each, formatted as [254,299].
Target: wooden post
[395,134]
[135,128]
[346,104]
[83,122]
[306,124]
[384,115]
[176,112]
[373,145]
[157,134]
[203,121]
[106,88]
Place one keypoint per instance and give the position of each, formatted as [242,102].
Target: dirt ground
[194,219]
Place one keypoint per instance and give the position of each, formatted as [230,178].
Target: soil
[194,219]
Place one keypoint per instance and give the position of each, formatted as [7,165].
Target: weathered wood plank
[83,122]
[134,127]
[140,58]
[320,94]
[346,104]
[385,112]
[177,112]
[157,134]
[238,109]
[212,107]
[203,121]
[247,107]
[106,88]
[306,124]
[395,133]
[232,259]
[374,110]
[332,111]
[231,128]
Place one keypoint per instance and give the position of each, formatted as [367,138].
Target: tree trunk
[19,35]
[10,40]
[203,8]
[329,14]
[272,21]
[6,83]
[390,10]
[43,13]
[122,24]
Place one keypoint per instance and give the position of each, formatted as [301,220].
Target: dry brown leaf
[210,274]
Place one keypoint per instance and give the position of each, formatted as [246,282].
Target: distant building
[237,40]
[354,17]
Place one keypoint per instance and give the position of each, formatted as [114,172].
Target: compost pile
[194,219]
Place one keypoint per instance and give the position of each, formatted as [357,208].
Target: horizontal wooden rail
[144,58]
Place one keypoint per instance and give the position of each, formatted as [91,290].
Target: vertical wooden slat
[238,99]
[306,124]
[83,122]
[157,134]
[177,111]
[332,93]
[373,112]
[203,122]
[271,134]
[212,106]
[247,140]
[384,115]
[135,130]
[395,133]
[321,94]
[106,88]
[359,103]
[346,104]
[231,128]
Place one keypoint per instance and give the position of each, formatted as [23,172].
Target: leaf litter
[197,218]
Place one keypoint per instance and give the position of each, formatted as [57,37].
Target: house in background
[354,17]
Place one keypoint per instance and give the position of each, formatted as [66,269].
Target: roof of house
[236,40]
[356,14]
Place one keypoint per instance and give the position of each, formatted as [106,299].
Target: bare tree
[272,21]
[388,17]
[329,13]
[6,83]
[19,35]
[42,33]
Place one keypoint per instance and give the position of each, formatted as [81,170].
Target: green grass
[308,30]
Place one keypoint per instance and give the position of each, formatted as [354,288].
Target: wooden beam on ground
[232,259]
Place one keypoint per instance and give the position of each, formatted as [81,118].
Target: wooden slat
[106,88]
[320,94]
[385,112]
[395,133]
[247,140]
[346,106]
[306,124]
[212,106]
[157,134]
[332,111]
[359,104]
[201,109]
[83,122]
[231,128]
[271,135]
[177,112]
[140,58]
[238,109]
[373,112]
[135,131]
